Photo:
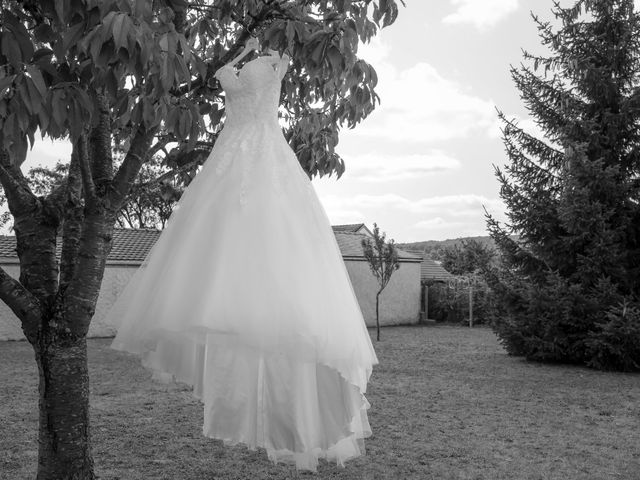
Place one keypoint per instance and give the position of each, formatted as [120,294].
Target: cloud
[439,228]
[436,222]
[483,14]
[375,51]
[437,217]
[340,216]
[46,152]
[375,167]
[419,105]
[452,205]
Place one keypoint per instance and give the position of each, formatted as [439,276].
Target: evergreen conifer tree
[569,284]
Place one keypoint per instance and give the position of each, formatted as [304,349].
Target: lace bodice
[253,94]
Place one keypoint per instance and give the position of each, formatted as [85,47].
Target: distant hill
[434,247]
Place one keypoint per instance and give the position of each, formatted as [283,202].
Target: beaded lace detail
[253,93]
[251,126]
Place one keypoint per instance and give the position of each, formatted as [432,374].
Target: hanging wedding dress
[245,295]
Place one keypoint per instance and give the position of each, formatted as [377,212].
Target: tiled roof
[351,227]
[430,270]
[132,245]
[351,246]
[129,245]
[8,246]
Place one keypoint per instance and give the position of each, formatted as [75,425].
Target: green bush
[449,302]
[555,320]
[615,343]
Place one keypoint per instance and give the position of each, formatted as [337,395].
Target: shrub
[449,302]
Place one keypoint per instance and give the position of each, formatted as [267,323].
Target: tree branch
[57,196]
[167,175]
[22,303]
[130,167]
[72,226]
[160,144]
[271,9]
[82,291]
[85,168]
[99,144]
[20,198]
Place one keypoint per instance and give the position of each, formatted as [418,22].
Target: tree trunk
[377,316]
[470,305]
[64,443]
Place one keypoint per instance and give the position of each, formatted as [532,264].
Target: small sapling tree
[383,261]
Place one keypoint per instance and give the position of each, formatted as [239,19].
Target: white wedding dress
[245,295]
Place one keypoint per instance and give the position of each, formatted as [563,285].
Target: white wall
[115,279]
[399,302]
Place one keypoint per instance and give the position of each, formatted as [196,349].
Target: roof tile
[133,245]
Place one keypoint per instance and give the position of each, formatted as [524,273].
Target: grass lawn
[446,403]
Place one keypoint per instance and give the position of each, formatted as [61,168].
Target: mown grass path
[447,403]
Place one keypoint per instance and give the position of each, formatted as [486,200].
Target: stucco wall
[115,278]
[9,325]
[399,301]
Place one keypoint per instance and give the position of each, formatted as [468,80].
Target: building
[432,272]
[353,228]
[400,301]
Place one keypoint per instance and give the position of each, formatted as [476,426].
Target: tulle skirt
[245,296]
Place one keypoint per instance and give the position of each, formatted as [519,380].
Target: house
[353,228]
[400,301]
[432,272]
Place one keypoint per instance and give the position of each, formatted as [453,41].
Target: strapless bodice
[253,93]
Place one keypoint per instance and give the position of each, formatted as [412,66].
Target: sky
[421,165]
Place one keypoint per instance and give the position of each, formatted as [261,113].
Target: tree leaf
[38,80]
[58,107]
[72,35]
[182,71]
[335,58]
[5,84]
[60,10]
[10,49]
[121,28]
[34,95]
[44,33]
[24,94]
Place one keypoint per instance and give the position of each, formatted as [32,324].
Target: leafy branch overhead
[136,77]
[154,67]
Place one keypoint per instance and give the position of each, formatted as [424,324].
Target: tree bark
[72,224]
[100,146]
[64,443]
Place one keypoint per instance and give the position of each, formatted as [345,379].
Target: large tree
[569,286]
[138,75]
[468,256]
